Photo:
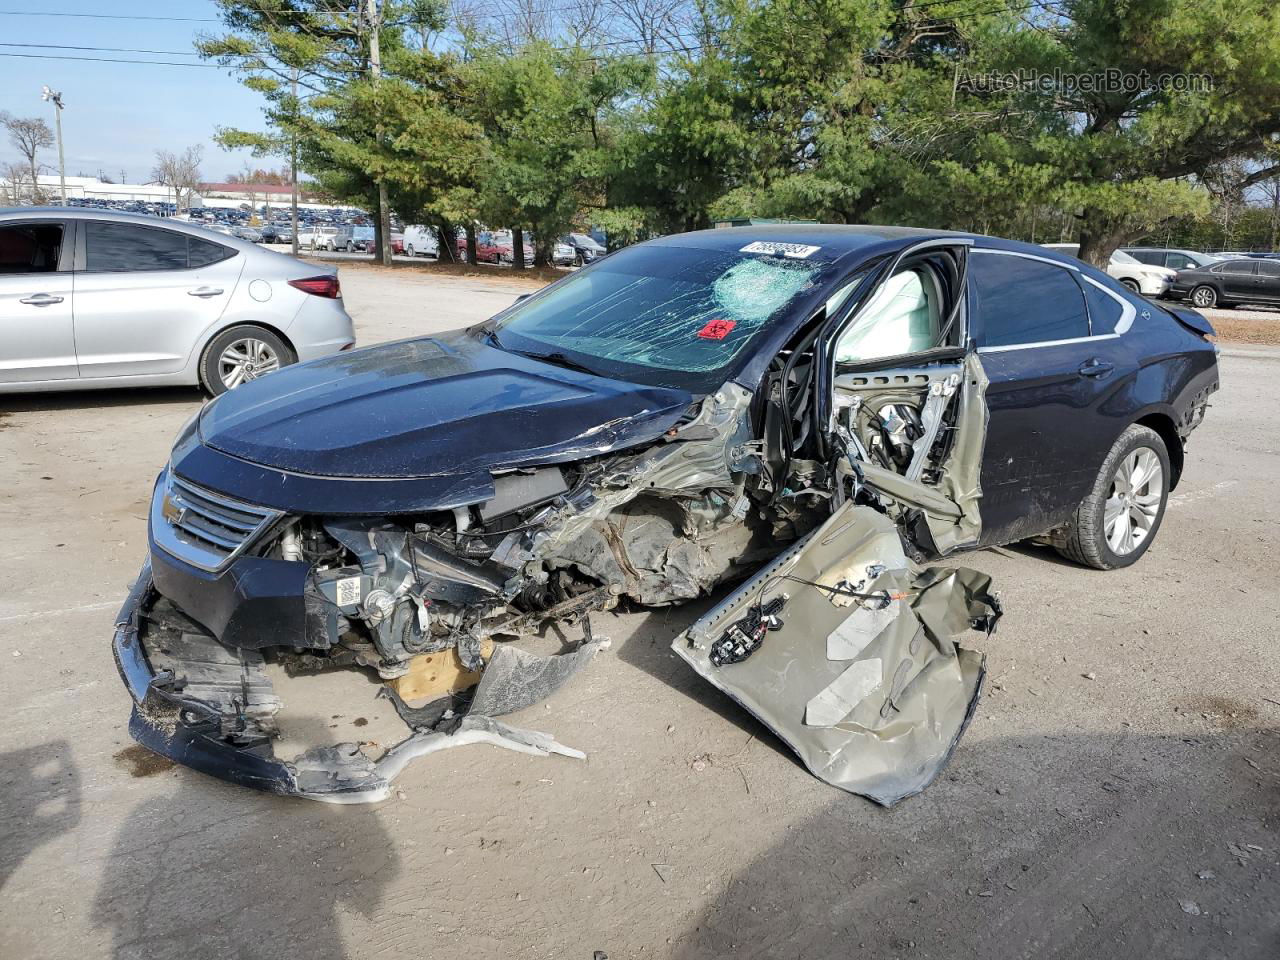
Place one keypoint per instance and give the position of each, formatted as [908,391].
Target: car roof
[849,242]
[142,219]
[199,230]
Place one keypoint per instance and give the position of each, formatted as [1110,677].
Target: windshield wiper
[557,359]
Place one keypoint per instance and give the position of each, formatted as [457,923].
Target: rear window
[1022,301]
[674,316]
[1105,310]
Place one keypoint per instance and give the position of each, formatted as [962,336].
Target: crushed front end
[416,586]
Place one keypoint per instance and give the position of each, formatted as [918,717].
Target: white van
[420,240]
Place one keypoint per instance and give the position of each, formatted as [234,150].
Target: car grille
[203,528]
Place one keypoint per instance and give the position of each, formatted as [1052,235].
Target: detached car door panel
[37,336]
[145,295]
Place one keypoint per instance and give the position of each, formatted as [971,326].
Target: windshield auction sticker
[796,251]
[717,329]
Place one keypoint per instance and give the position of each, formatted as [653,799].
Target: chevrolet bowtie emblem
[171,511]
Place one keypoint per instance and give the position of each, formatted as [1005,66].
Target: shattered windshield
[675,316]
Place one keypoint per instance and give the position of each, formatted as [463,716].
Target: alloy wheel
[1133,505]
[1204,297]
[246,359]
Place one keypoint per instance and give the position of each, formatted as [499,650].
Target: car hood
[434,407]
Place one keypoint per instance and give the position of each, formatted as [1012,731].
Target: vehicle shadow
[1068,846]
[39,799]
[648,648]
[1040,553]
[209,869]
[82,399]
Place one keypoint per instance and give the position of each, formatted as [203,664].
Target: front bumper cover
[203,734]
[181,728]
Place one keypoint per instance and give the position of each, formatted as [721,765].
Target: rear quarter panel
[1175,372]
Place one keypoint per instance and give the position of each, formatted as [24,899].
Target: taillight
[325,286]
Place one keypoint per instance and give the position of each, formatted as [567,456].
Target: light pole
[56,97]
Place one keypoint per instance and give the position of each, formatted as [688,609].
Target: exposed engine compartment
[655,526]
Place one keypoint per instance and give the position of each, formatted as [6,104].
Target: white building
[91,188]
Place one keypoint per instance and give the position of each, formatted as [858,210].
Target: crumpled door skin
[905,714]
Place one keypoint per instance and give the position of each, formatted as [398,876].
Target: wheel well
[1164,426]
[204,351]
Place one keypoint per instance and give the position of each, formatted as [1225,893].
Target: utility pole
[56,97]
[383,231]
[293,166]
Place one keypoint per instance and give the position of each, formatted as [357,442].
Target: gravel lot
[1116,794]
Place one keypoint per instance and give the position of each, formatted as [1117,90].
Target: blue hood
[444,407]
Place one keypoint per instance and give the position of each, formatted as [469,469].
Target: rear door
[37,337]
[145,295]
[1267,280]
[1050,374]
[1238,280]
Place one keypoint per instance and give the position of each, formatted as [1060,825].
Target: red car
[397,244]
[487,251]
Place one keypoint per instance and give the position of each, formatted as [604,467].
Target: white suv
[1143,278]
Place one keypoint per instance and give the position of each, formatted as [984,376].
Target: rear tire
[1116,522]
[255,349]
[1204,297]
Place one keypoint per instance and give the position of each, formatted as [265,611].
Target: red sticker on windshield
[717,329]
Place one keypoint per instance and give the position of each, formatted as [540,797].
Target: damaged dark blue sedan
[808,413]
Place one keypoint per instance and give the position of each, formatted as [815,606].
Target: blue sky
[118,114]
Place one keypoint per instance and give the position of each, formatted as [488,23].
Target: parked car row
[1206,279]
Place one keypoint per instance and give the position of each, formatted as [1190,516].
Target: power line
[163,53]
[106,16]
[158,63]
[636,41]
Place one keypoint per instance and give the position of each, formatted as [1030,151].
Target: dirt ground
[1116,794]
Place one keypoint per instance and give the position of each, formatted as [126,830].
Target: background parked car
[277,233]
[323,238]
[367,245]
[506,248]
[421,241]
[1173,259]
[585,248]
[351,237]
[99,299]
[1229,283]
[563,254]
[252,234]
[486,250]
[1150,281]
